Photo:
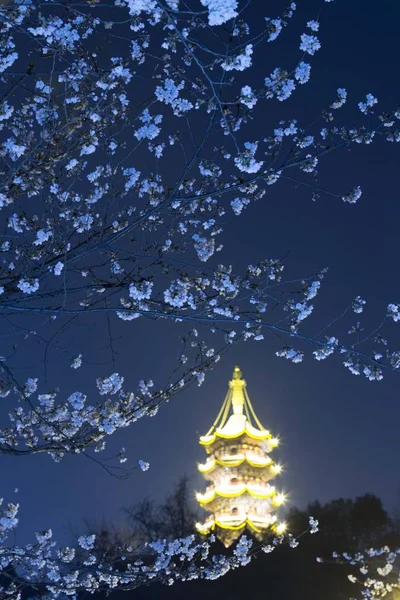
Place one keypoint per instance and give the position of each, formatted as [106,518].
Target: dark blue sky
[339,432]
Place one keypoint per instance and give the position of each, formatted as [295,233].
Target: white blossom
[280,85]
[77,362]
[238,205]
[30,386]
[312,290]
[275,28]
[58,267]
[309,43]
[326,350]
[14,150]
[393,311]
[87,541]
[42,236]
[55,31]
[341,98]
[353,196]
[44,536]
[83,223]
[77,400]
[247,97]
[6,111]
[358,304]
[313,525]
[246,161]
[313,25]
[291,354]
[240,62]
[220,11]
[141,291]
[204,247]
[302,73]
[28,287]
[178,295]
[373,373]
[110,385]
[370,101]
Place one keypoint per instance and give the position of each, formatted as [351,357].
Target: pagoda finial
[237,385]
[237,373]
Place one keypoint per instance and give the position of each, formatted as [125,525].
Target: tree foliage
[172,519]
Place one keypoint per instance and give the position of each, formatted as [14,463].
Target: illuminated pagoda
[239,469]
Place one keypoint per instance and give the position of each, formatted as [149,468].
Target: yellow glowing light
[227,461]
[210,526]
[235,491]
[204,528]
[207,497]
[281,528]
[276,469]
[207,467]
[207,440]
[279,499]
[274,442]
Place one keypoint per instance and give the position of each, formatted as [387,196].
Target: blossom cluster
[73,569]
[375,571]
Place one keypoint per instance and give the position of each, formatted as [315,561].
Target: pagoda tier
[239,469]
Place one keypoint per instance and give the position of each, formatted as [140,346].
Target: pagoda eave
[208,440]
[261,495]
[257,527]
[213,464]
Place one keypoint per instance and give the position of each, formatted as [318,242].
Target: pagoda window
[235,511]
[234,480]
[233,450]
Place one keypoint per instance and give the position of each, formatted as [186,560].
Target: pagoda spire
[238,469]
[237,384]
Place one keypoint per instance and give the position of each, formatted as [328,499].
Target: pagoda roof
[236,461]
[235,490]
[236,426]
[262,525]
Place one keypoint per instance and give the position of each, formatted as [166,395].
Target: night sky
[339,433]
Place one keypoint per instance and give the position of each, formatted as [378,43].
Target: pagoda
[239,469]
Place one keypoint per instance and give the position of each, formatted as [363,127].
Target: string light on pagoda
[279,499]
[238,470]
[281,528]
[276,469]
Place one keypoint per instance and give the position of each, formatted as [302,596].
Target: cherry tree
[126,139]
[375,571]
